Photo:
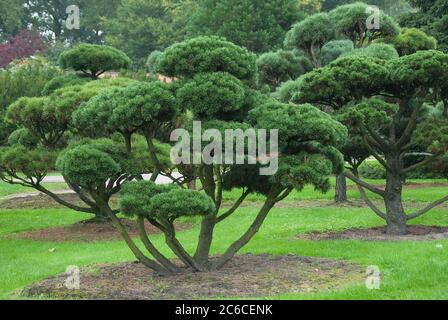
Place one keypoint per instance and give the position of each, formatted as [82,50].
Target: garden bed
[415,233]
[90,231]
[245,276]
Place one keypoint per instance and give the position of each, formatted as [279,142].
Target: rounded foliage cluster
[299,125]
[34,163]
[165,202]
[277,67]
[207,54]
[90,164]
[139,106]
[376,50]
[94,58]
[62,81]
[411,40]
[423,69]
[23,137]
[334,49]
[346,79]
[212,95]
[316,30]
[152,64]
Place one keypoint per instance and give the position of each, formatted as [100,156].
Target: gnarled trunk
[341,189]
[395,215]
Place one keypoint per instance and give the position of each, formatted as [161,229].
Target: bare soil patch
[245,276]
[416,233]
[90,231]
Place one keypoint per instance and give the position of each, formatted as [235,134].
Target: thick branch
[375,154]
[371,205]
[365,185]
[251,232]
[428,208]
[421,164]
[63,202]
[135,250]
[412,124]
[235,206]
[152,249]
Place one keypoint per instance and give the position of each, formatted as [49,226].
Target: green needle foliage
[256,25]
[94,60]
[277,67]
[351,21]
[311,35]
[382,102]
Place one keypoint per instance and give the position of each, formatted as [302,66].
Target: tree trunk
[341,189]
[192,185]
[395,215]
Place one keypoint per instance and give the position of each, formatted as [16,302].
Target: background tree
[389,126]
[160,23]
[259,26]
[311,6]
[48,123]
[411,40]
[334,49]
[431,17]
[94,60]
[352,21]
[25,79]
[49,18]
[24,45]
[11,18]
[277,67]
[393,8]
[311,35]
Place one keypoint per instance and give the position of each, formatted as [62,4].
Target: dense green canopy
[277,67]
[352,20]
[256,25]
[207,54]
[311,35]
[94,60]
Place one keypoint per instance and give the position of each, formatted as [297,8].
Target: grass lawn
[411,270]
[11,189]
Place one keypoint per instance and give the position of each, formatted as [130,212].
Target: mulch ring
[415,233]
[88,231]
[245,276]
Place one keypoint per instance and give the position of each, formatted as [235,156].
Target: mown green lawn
[422,193]
[411,270]
[11,189]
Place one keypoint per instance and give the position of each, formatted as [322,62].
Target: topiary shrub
[277,67]
[152,64]
[23,137]
[93,60]
[334,49]
[61,81]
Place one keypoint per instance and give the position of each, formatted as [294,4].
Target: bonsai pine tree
[351,21]
[94,60]
[384,100]
[215,86]
[280,66]
[310,35]
[46,129]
